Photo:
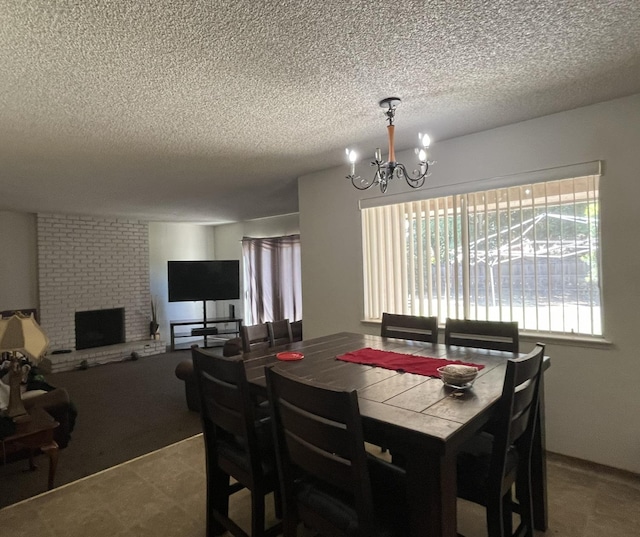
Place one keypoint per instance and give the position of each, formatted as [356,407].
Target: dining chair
[413,327]
[488,465]
[329,482]
[237,444]
[296,330]
[495,335]
[279,332]
[255,337]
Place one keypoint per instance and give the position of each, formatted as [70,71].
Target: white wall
[176,242]
[18,261]
[592,412]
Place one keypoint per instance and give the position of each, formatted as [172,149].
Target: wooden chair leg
[525,504]
[289,527]
[257,513]
[507,515]
[494,517]
[217,500]
[277,501]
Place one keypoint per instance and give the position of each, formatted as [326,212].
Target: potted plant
[153,325]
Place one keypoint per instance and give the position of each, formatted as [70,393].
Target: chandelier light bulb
[424,140]
[422,155]
[353,157]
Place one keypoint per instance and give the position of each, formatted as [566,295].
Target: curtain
[272,275]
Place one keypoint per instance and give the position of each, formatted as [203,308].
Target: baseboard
[590,466]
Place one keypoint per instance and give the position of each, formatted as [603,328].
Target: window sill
[553,339]
[569,341]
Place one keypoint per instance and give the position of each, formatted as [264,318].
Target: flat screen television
[203,280]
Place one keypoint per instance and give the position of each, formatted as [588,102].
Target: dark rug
[125,410]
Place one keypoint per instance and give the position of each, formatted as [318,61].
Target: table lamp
[20,337]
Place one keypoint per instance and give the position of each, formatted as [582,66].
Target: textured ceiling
[205,110]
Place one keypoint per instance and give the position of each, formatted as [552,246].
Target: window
[272,279]
[528,253]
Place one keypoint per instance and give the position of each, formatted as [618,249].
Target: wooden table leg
[52,451]
[431,492]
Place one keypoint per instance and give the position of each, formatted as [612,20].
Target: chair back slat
[495,335]
[224,404]
[522,407]
[308,457]
[279,332]
[525,370]
[411,327]
[255,337]
[318,432]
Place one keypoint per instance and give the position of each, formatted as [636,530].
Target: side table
[35,433]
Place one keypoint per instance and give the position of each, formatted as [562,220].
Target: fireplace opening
[98,328]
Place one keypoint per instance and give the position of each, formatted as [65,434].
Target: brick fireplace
[99,328]
[85,264]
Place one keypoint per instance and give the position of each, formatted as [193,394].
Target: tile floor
[162,494]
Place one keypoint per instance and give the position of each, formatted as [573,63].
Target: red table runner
[407,363]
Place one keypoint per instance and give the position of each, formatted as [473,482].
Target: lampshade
[23,334]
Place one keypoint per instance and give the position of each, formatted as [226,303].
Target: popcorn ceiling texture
[201,110]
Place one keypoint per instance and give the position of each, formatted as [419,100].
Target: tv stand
[204,328]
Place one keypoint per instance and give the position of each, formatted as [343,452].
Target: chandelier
[385,171]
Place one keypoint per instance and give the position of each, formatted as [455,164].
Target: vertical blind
[528,253]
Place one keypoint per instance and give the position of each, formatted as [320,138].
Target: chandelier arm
[362,184]
[414,181]
[353,180]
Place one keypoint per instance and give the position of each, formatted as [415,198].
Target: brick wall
[87,263]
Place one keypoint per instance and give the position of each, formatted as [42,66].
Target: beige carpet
[163,494]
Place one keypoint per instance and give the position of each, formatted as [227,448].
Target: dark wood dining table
[413,415]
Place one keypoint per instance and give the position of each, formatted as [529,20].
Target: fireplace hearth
[99,328]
